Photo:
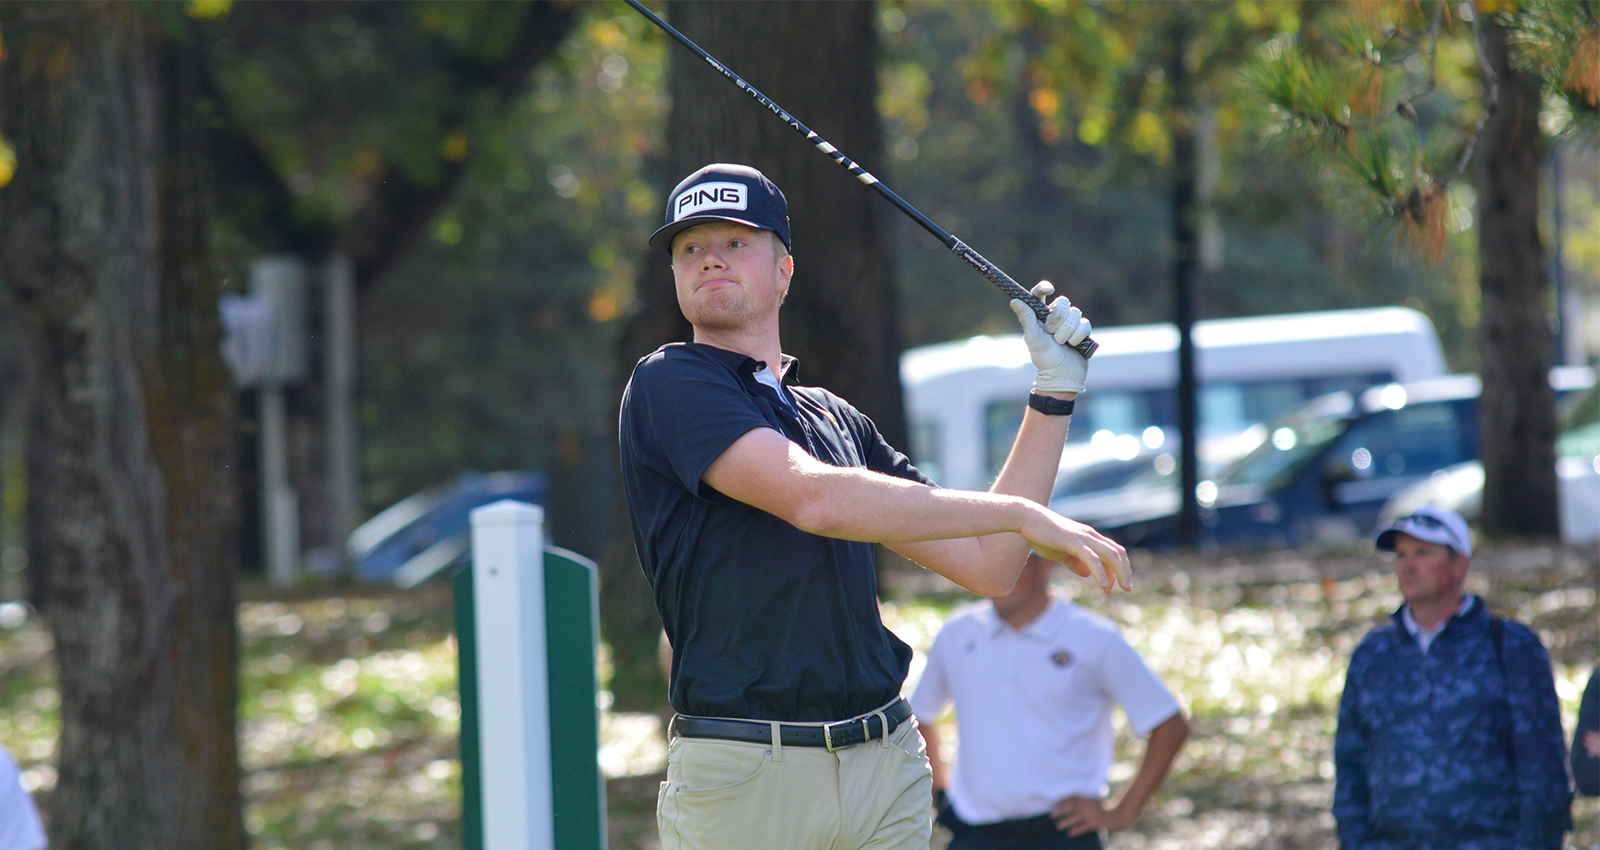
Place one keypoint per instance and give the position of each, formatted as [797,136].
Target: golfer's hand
[1061,367]
[1082,549]
[1083,815]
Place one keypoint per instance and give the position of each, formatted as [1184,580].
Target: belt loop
[883,725]
[777,741]
[670,723]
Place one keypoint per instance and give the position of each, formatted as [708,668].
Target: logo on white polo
[710,196]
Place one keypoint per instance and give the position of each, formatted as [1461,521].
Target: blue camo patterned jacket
[1444,750]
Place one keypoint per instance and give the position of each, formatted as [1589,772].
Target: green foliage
[490,346]
[1037,133]
[337,98]
[1560,41]
[1386,94]
[1365,99]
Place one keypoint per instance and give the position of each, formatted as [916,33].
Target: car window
[1414,440]
[1288,447]
[1584,409]
[1101,476]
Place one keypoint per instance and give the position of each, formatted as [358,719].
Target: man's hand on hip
[1061,367]
[1083,815]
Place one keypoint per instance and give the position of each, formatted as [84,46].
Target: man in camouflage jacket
[1449,731]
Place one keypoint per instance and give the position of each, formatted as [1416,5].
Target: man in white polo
[1034,678]
[19,818]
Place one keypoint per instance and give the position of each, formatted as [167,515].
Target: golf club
[973,258]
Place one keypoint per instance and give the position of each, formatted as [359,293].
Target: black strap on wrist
[1051,406]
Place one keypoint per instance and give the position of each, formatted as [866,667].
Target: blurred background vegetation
[349,716]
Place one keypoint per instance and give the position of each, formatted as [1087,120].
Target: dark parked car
[425,533]
[1322,474]
[1460,488]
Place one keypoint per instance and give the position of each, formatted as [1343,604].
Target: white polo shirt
[1034,706]
[19,820]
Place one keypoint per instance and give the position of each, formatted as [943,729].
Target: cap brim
[1386,538]
[1385,541]
[662,239]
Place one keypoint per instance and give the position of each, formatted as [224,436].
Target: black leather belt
[831,736]
[1022,829]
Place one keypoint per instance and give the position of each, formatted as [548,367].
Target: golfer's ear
[786,269]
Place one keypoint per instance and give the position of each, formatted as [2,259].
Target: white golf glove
[1061,367]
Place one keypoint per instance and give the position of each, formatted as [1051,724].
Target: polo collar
[1472,608]
[1043,629]
[748,366]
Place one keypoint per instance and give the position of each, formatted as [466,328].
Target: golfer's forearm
[855,504]
[1030,473]
[958,533]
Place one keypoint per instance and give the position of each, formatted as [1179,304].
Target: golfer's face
[728,275]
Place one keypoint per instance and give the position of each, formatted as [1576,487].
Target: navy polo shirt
[766,621]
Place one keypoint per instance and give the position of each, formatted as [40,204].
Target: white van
[964,399]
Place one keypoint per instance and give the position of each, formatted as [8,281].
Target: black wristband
[1051,406]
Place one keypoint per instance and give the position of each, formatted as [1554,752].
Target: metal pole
[339,386]
[1185,278]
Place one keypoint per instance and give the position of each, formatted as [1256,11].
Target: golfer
[755,504]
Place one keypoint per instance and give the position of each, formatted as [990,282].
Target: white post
[279,281]
[280,505]
[513,682]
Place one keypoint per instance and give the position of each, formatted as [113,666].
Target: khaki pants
[730,795]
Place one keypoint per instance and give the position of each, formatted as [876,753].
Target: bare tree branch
[1403,107]
[1490,100]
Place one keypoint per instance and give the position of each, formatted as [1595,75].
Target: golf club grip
[973,258]
[1012,288]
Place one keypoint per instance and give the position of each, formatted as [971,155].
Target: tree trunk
[1517,408]
[819,62]
[104,244]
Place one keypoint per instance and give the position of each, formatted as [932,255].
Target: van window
[1251,370]
[1001,419]
[1117,412]
[1226,407]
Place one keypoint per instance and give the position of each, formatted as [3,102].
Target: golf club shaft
[961,249]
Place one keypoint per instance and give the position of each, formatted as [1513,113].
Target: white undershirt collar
[766,376]
[1425,636]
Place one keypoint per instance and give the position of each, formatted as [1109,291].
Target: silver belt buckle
[827,733]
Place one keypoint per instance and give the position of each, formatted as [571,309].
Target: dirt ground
[349,720]
[1255,777]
